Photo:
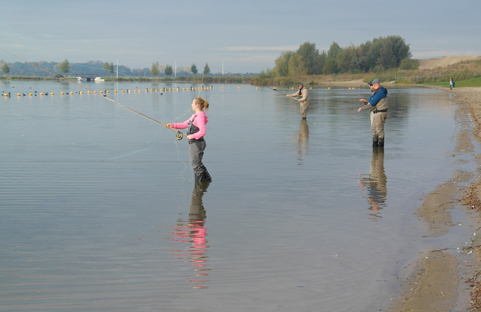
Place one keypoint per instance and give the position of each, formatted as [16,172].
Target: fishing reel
[179,135]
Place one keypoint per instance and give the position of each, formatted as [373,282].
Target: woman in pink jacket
[195,133]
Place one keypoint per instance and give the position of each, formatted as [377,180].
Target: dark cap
[300,84]
[374,81]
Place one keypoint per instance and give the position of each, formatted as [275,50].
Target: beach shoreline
[440,279]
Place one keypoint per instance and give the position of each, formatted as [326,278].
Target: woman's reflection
[193,231]
[302,140]
[375,183]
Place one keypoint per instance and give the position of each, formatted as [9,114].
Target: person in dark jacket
[377,103]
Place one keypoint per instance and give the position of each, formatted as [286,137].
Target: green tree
[386,52]
[296,67]
[415,65]
[321,62]
[5,69]
[342,60]
[380,54]
[193,69]
[154,70]
[333,50]
[309,58]
[408,63]
[168,70]
[330,67]
[378,69]
[355,63]
[363,58]
[64,67]
[350,60]
[374,53]
[405,64]
[386,55]
[399,48]
[108,67]
[282,64]
[206,69]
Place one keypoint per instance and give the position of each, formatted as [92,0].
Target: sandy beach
[440,280]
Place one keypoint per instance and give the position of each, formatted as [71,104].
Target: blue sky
[246,35]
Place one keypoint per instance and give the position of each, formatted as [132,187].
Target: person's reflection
[375,183]
[194,232]
[302,140]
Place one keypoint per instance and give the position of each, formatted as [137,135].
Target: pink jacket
[200,121]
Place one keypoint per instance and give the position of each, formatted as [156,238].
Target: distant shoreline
[196,79]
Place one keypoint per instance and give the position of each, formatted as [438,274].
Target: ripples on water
[98,210]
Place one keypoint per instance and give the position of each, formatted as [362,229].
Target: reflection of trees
[375,183]
[303,139]
[193,231]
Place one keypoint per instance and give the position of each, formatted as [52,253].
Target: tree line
[156,69]
[377,55]
[94,68]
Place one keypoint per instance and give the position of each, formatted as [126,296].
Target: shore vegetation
[465,73]
[376,55]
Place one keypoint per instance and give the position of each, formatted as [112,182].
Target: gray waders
[196,152]
[378,119]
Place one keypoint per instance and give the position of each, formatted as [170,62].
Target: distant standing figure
[451,83]
[378,105]
[195,133]
[304,99]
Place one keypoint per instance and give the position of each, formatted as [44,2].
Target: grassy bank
[473,82]
[467,71]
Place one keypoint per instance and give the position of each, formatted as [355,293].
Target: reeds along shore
[459,71]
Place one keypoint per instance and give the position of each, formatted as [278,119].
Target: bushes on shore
[413,75]
[377,55]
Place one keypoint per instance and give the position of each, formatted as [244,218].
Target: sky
[244,36]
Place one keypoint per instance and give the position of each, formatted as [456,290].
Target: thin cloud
[248,48]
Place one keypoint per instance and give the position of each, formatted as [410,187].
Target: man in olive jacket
[304,100]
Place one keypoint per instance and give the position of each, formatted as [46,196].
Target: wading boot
[381,142]
[375,142]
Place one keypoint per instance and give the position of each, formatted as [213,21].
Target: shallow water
[98,210]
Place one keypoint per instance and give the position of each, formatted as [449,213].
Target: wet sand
[437,280]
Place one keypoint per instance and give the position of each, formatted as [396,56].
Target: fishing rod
[273,89]
[179,135]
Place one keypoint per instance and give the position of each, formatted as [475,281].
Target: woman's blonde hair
[203,104]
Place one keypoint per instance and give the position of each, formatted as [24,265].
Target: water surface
[98,210]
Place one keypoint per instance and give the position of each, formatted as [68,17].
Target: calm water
[98,210]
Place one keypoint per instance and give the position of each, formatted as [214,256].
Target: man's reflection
[375,183]
[194,232]
[302,140]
